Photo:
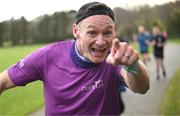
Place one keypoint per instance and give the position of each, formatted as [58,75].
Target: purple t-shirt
[69,88]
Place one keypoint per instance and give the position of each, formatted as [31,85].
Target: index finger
[115,44]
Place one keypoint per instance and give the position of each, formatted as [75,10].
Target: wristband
[132,69]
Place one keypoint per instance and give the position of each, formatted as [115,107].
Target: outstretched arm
[138,82]
[5,81]
[133,72]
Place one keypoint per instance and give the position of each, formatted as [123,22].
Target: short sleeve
[28,69]
[163,39]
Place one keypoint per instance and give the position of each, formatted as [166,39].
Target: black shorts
[144,52]
[158,54]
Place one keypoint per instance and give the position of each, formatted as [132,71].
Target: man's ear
[75,31]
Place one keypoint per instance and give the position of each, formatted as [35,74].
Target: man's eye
[91,33]
[108,33]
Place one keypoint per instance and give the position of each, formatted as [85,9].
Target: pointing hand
[122,54]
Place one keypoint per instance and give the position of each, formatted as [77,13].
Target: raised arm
[133,72]
[138,82]
[5,81]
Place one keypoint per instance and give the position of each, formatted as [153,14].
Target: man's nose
[100,41]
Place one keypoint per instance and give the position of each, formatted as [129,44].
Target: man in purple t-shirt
[82,75]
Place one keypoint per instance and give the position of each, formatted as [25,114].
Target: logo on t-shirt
[93,85]
[21,63]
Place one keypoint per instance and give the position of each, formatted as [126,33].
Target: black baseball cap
[93,8]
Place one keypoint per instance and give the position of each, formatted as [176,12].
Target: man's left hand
[122,54]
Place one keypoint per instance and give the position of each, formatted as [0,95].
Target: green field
[174,40]
[171,101]
[20,100]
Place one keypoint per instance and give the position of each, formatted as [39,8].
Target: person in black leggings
[158,42]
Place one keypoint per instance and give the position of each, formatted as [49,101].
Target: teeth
[98,50]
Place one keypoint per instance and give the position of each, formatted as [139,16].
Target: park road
[149,103]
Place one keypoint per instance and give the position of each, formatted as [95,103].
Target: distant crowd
[145,39]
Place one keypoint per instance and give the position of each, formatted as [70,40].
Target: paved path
[148,104]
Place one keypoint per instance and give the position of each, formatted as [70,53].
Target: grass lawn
[174,40]
[171,100]
[20,100]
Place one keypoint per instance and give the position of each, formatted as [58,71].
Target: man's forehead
[94,26]
[98,21]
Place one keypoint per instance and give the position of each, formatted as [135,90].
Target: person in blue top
[143,40]
[158,42]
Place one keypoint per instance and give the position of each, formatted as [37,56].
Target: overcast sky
[31,9]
